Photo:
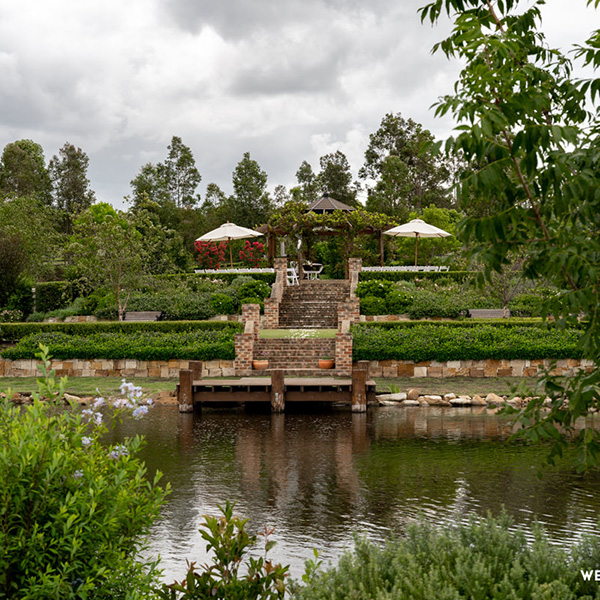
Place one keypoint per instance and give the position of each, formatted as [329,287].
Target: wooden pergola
[297,221]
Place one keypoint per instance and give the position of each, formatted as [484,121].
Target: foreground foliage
[74,513]
[232,575]
[480,559]
[530,151]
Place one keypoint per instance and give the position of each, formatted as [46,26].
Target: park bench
[142,315]
[487,313]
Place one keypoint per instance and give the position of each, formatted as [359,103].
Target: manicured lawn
[86,386]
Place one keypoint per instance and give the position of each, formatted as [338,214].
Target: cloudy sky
[286,80]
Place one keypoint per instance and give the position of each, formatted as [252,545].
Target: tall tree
[110,252]
[308,184]
[335,178]
[426,173]
[180,174]
[250,204]
[391,192]
[523,123]
[23,171]
[174,181]
[70,185]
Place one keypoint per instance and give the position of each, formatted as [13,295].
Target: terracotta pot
[260,365]
[326,363]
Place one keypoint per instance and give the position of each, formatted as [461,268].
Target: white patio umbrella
[227,232]
[417,228]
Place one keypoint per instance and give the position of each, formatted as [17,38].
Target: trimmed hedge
[12,332]
[467,322]
[190,278]
[458,276]
[141,345]
[442,343]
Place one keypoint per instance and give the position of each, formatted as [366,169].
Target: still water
[320,477]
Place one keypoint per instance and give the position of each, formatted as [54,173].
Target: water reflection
[319,477]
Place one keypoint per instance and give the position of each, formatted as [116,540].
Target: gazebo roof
[328,204]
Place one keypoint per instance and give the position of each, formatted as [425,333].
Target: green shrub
[75,512]
[397,301]
[437,342]
[525,305]
[427,304]
[52,295]
[485,558]
[372,305]
[223,304]
[22,298]
[376,288]
[251,289]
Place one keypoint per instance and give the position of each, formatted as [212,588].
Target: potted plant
[260,364]
[326,362]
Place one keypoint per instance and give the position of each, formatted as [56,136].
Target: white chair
[292,276]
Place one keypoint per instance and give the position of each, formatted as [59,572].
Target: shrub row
[462,323]
[11,332]
[143,345]
[437,276]
[193,279]
[439,342]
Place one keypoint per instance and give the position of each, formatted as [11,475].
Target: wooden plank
[359,391]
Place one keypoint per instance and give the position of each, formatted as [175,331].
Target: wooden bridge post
[359,386]
[186,401]
[196,369]
[277,391]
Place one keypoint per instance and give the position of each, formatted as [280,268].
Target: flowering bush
[11,316]
[211,254]
[74,511]
[252,253]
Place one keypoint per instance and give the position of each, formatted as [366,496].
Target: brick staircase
[299,357]
[312,304]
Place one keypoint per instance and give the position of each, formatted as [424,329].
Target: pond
[319,477]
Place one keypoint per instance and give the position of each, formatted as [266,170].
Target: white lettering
[587,575]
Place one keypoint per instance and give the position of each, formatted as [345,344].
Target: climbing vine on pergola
[296,222]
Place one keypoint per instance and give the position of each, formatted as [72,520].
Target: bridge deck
[258,389]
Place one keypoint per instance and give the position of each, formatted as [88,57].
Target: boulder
[412,394]
[494,399]
[449,397]
[461,401]
[410,402]
[436,401]
[397,397]
[477,400]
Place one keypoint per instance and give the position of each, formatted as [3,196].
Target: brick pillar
[244,342]
[343,352]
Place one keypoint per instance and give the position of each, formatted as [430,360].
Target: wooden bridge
[278,389]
